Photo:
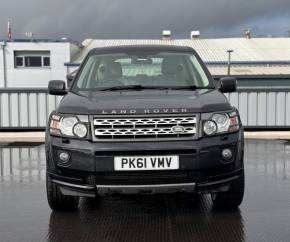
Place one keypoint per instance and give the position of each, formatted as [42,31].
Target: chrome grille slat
[140,127]
[182,120]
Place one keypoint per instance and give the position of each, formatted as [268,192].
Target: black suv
[144,120]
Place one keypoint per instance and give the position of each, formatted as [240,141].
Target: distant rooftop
[255,56]
[35,40]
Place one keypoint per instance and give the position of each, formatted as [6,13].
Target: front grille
[140,178]
[145,128]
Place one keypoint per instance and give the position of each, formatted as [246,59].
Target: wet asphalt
[263,216]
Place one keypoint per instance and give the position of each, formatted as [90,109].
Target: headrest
[113,70]
[170,66]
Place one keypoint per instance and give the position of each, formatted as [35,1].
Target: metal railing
[266,107]
[26,108]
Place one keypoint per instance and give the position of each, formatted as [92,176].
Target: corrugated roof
[250,70]
[214,51]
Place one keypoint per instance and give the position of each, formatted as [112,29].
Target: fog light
[227,154]
[64,157]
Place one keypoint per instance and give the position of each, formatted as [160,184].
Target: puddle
[22,161]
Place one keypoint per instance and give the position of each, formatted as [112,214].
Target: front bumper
[91,167]
[221,184]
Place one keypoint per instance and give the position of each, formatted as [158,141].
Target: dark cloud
[79,19]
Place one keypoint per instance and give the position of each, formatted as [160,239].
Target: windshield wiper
[140,87]
[131,87]
[193,87]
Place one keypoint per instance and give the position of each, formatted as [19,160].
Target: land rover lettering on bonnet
[144,119]
[145,111]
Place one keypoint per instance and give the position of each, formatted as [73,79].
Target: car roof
[145,48]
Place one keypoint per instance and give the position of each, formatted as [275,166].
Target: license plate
[168,162]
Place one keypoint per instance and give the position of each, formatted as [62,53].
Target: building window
[19,61]
[46,61]
[32,59]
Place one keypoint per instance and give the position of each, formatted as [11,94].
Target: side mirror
[57,88]
[228,84]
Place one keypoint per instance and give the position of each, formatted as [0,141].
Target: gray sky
[80,19]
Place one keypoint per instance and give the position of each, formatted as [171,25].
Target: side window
[85,79]
[198,72]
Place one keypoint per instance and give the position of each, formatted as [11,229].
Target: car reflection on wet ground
[263,216]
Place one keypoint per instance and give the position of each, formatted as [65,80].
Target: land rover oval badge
[178,129]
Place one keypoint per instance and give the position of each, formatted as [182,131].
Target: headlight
[80,130]
[67,124]
[221,123]
[72,126]
[209,127]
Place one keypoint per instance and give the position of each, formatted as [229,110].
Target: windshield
[154,70]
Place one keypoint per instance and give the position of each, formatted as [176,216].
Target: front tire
[57,201]
[232,198]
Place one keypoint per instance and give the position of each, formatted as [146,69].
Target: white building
[32,63]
